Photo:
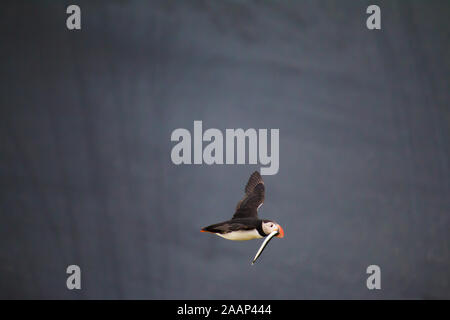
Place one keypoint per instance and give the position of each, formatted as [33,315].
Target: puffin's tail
[208,229]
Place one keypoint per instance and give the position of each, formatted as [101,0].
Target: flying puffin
[245,225]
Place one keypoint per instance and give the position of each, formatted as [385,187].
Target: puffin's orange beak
[280,232]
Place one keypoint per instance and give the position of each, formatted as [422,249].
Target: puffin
[245,224]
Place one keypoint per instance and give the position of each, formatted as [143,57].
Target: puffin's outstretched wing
[253,199]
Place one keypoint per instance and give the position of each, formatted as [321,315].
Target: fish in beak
[264,244]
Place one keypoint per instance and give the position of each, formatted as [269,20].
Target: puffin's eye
[271,225]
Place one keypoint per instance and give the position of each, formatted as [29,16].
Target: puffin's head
[269,226]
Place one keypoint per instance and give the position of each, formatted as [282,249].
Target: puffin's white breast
[241,235]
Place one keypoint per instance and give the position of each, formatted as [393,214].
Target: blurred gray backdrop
[86,175]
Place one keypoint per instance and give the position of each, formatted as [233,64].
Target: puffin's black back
[235,225]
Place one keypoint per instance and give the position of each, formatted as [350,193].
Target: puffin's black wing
[253,199]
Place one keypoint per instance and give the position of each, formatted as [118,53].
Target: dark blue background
[85,169]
